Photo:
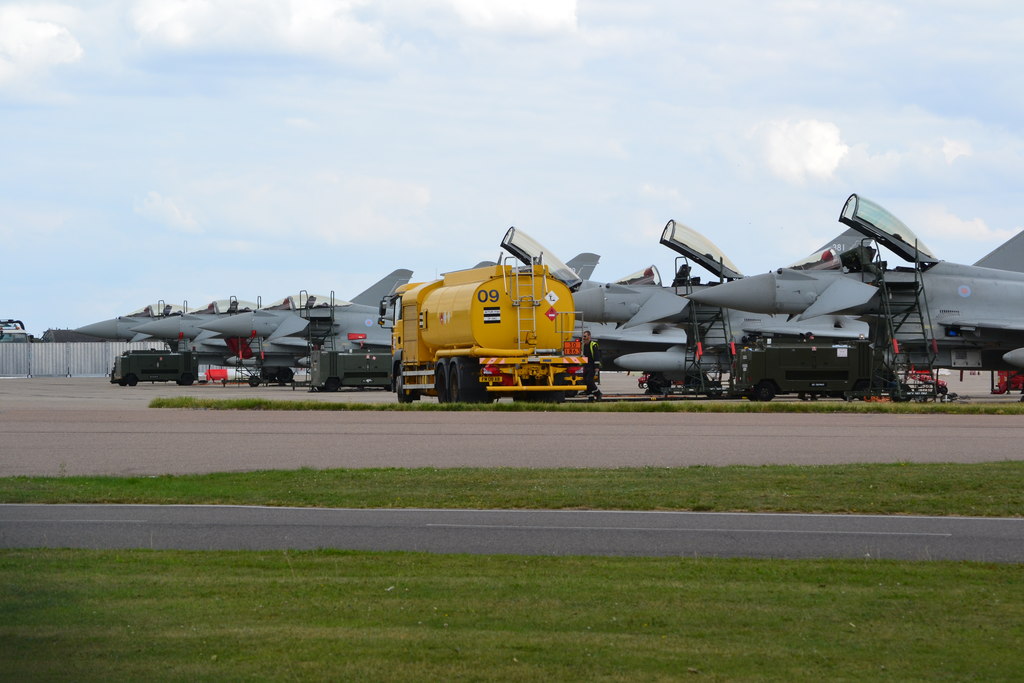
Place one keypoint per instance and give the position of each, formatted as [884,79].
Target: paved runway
[527,532]
[88,426]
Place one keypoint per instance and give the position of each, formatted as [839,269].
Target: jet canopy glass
[156,310]
[868,218]
[531,252]
[297,302]
[699,248]
[647,276]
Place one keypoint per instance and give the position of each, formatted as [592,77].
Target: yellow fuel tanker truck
[498,330]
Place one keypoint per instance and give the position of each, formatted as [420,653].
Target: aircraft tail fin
[584,264]
[383,287]
[1007,256]
[827,255]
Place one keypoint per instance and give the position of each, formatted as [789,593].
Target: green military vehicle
[131,367]
[331,370]
[768,368]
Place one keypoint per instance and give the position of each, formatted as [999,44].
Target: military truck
[478,334]
[769,367]
[132,367]
[331,370]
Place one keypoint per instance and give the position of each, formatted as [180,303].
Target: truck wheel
[403,395]
[764,391]
[441,382]
[122,382]
[470,389]
[186,380]
[131,380]
[455,382]
[332,384]
[254,381]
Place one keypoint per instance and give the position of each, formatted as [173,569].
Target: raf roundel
[964,291]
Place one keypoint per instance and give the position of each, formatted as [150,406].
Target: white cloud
[518,16]
[953,149]
[166,211]
[325,28]
[800,150]
[34,39]
[940,222]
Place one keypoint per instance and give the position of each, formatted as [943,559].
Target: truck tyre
[185,380]
[131,380]
[122,382]
[764,391]
[455,374]
[332,384]
[470,388]
[441,382]
[399,386]
[254,381]
[400,392]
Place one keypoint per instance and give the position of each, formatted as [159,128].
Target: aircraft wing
[641,334]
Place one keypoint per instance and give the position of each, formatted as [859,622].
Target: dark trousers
[590,377]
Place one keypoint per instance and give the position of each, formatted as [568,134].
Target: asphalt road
[55,427]
[685,534]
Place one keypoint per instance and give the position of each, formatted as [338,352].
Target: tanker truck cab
[475,335]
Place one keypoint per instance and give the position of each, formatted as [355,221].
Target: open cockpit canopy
[696,247]
[531,252]
[870,219]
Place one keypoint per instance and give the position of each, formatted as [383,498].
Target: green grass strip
[978,489]
[345,616]
[684,406]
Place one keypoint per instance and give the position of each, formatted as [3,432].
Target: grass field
[985,489]
[331,615]
[84,616]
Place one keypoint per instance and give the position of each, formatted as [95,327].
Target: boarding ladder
[905,345]
[709,348]
[320,333]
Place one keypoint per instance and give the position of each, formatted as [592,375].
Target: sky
[191,150]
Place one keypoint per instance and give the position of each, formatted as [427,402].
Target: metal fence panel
[15,360]
[93,359]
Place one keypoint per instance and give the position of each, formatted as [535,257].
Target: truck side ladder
[522,290]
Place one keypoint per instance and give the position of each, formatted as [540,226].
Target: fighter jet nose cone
[755,294]
[105,329]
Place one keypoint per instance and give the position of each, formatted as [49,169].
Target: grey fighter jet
[951,315]
[121,327]
[645,326]
[321,319]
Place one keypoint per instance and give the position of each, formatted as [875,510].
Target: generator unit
[331,370]
[770,367]
[132,367]
[478,334]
